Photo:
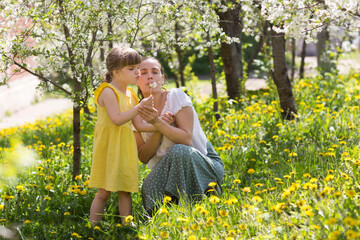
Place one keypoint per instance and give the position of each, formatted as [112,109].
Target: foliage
[294,179]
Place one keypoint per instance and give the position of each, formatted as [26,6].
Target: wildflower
[257,199]
[285,194]
[212,184]
[164,211]
[259,185]
[1,206]
[286,176]
[47,198]
[195,227]
[223,213]
[50,178]
[76,235]
[317,227]
[246,189]
[313,180]
[210,221]
[351,234]
[331,221]
[292,154]
[329,178]
[344,175]
[83,192]
[350,193]
[78,177]
[251,171]
[309,213]
[192,237]
[242,227]
[118,225]
[66,193]
[167,199]
[20,187]
[214,199]
[351,221]
[27,222]
[86,182]
[129,218]
[337,194]
[49,187]
[97,228]
[229,238]
[66,213]
[306,175]
[237,181]
[231,201]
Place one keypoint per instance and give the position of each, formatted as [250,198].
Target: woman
[182,160]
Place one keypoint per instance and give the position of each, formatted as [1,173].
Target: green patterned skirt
[183,171]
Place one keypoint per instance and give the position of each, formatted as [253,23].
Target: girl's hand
[168,117]
[149,101]
[149,114]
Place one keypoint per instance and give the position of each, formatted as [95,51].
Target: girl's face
[129,74]
[151,77]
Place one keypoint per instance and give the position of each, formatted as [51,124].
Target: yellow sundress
[115,160]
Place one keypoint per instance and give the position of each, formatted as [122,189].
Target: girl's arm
[142,126]
[184,120]
[146,150]
[108,100]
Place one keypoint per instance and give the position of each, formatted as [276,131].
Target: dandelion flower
[350,193]
[237,181]
[66,213]
[20,188]
[251,171]
[167,199]
[257,199]
[351,234]
[129,218]
[212,184]
[214,199]
[246,189]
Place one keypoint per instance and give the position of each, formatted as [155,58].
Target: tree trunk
[280,76]
[213,77]
[323,58]
[293,54]
[303,55]
[76,129]
[231,53]
[179,56]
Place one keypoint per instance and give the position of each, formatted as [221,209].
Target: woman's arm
[184,120]
[146,150]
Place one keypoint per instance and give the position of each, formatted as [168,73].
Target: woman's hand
[149,114]
[168,117]
[149,101]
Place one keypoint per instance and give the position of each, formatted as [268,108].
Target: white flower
[153,85]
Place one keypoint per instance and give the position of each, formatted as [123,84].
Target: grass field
[283,179]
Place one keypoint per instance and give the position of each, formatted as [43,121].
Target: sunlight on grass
[283,179]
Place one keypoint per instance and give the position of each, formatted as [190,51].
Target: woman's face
[151,77]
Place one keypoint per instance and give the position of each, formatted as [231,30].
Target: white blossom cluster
[305,18]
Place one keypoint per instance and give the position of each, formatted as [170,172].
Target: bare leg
[98,205]
[125,205]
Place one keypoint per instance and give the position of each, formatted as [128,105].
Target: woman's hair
[139,93]
[118,58]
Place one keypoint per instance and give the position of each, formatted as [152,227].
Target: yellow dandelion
[49,187]
[350,193]
[181,219]
[237,181]
[164,211]
[246,189]
[78,177]
[307,175]
[214,199]
[27,221]
[118,225]
[212,184]
[192,237]
[329,178]
[47,198]
[293,154]
[1,206]
[129,218]
[97,228]
[223,213]
[309,213]
[66,213]
[242,226]
[257,198]
[20,187]
[351,234]
[251,171]
[167,199]
[351,221]
[195,227]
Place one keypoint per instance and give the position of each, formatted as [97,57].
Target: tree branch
[43,78]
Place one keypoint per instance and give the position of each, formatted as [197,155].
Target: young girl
[115,162]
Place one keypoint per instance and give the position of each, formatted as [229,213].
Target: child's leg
[98,205]
[125,204]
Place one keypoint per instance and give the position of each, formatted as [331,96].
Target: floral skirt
[183,171]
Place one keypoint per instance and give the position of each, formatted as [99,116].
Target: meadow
[283,179]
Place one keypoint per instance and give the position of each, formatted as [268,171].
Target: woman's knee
[180,150]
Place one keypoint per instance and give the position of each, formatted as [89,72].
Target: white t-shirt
[175,101]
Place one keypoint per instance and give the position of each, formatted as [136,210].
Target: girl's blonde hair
[118,58]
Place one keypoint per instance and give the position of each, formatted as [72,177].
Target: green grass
[283,179]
